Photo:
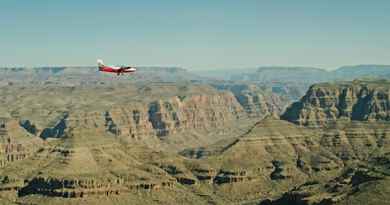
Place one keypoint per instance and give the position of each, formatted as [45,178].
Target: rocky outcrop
[76,188]
[178,174]
[11,151]
[272,152]
[161,118]
[256,102]
[14,149]
[195,112]
[145,111]
[326,103]
[231,177]
[205,174]
[110,124]
[335,191]
[278,152]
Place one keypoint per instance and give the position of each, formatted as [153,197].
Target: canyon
[191,141]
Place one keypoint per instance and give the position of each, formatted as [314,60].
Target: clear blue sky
[195,34]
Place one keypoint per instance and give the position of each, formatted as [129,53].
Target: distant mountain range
[286,81]
[294,81]
[87,75]
[352,72]
[299,74]
[268,74]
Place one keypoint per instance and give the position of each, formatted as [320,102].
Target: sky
[201,34]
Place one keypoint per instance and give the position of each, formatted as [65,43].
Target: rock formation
[195,144]
[326,103]
[143,112]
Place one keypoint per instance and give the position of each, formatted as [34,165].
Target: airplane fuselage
[117,70]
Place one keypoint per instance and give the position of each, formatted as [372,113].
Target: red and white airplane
[119,70]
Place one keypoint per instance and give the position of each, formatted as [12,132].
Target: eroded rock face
[231,177]
[255,101]
[339,190]
[14,149]
[325,103]
[157,118]
[190,109]
[110,124]
[269,160]
[266,161]
[11,152]
[164,117]
[196,112]
[75,188]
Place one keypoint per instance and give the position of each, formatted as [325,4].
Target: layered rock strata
[326,103]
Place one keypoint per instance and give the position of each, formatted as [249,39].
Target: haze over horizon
[195,35]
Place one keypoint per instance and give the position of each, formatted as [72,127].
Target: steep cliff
[357,100]
[184,114]
[267,161]
[15,143]
[161,118]
[256,101]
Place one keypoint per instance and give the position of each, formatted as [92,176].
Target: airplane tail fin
[100,63]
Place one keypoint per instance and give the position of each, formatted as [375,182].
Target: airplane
[119,70]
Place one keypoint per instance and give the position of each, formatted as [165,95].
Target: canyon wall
[184,112]
[357,100]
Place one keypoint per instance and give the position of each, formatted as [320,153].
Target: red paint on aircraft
[113,69]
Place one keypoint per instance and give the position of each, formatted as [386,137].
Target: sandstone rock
[326,103]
